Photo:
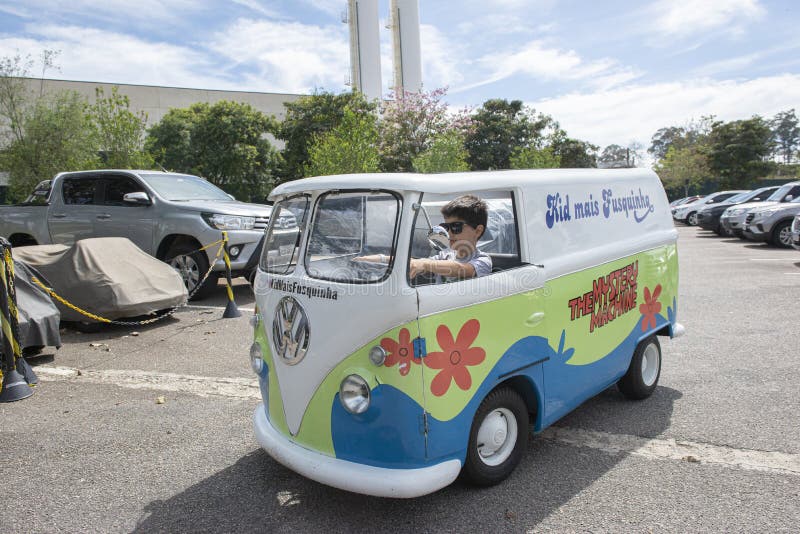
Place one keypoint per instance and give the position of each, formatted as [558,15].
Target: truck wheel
[192,266]
[642,377]
[497,438]
[691,220]
[782,235]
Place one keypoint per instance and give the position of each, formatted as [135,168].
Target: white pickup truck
[168,215]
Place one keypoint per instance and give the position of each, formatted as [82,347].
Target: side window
[81,191]
[794,192]
[499,240]
[117,187]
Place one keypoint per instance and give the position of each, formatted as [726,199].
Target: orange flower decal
[455,357]
[650,307]
[399,352]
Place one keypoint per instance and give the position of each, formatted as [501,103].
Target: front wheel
[497,438]
[691,220]
[782,235]
[192,265]
[642,377]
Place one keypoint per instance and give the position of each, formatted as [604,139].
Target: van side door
[477,332]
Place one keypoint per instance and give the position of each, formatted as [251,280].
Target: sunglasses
[455,227]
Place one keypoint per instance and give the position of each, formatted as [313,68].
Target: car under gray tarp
[108,276]
[38,316]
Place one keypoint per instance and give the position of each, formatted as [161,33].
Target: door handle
[534,319]
[58,215]
[104,216]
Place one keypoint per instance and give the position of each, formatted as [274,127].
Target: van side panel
[601,314]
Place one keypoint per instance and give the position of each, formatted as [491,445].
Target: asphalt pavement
[149,430]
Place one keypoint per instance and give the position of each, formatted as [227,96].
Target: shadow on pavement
[258,494]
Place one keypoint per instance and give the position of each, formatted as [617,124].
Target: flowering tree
[410,124]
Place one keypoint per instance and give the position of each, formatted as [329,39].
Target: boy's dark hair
[469,208]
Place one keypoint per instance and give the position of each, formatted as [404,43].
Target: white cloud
[441,65]
[258,7]
[540,62]
[111,10]
[96,55]
[636,112]
[286,56]
[683,18]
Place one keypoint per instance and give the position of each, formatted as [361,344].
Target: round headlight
[256,358]
[354,394]
[377,355]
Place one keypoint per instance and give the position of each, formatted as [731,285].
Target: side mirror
[439,238]
[232,197]
[788,198]
[138,198]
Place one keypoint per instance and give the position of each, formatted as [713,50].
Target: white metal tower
[365,47]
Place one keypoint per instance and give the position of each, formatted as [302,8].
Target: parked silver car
[796,232]
[168,215]
[733,219]
[772,224]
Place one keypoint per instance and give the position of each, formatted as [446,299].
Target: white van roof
[457,182]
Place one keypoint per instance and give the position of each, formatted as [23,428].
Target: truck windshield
[353,236]
[184,187]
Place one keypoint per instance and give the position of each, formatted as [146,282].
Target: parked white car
[687,213]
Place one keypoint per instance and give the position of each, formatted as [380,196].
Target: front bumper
[249,243]
[708,221]
[753,233]
[351,476]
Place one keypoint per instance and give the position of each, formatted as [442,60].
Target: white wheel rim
[650,365]
[497,437]
[693,219]
[188,269]
[785,236]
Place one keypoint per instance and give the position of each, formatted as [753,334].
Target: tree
[738,151]
[351,147]
[309,117]
[500,127]
[535,158]
[786,134]
[15,97]
[57,135]
[446,154]
[664,139]
[615,157]
[683,168]
[575,154]
[225,142]
[409,125]
[121,132]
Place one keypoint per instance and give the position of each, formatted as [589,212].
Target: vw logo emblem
[290,331]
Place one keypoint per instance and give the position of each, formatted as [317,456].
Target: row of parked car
[769,214]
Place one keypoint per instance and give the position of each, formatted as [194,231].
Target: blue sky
[609,72]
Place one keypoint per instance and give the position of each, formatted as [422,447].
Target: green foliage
[738,152]
[410,123]
[120,132]
[535,158]
[308,118]
[446,154]
[684,169]
[224,142]
[499,128]
[57,135]
[350,147]
[786,134]
[575,154]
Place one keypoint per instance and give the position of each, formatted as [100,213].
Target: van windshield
[348,226]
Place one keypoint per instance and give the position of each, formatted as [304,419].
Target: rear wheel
[642,377]
[192,265]
[782,235]
[497,438]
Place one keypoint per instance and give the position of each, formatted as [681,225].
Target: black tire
[192,266]
[641,379]
[691,219]
[782,235]
[480,469]
[33,350]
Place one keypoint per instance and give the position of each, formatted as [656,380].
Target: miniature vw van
[382,384]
